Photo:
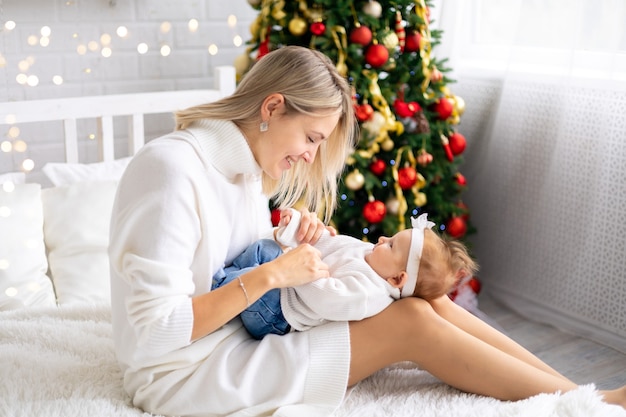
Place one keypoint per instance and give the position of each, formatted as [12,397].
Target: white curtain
[544,84]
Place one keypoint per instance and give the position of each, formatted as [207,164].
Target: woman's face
[290,139]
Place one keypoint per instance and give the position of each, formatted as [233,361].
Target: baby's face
[389,256]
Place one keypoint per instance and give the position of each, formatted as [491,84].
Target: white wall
[76,24]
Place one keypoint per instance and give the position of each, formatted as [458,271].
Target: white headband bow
[415,253]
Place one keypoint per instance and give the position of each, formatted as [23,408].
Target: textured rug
[60,363]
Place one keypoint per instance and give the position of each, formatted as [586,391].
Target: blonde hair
[311,85]
[444,261]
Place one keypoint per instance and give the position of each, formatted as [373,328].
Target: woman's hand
[296,267]
[311,227]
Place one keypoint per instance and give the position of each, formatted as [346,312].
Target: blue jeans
[265,315]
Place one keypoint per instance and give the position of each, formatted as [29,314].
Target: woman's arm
[215,308]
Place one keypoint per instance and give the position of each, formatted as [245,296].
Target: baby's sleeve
[286,235]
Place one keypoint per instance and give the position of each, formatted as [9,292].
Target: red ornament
[361,35]
[424,158]
[444,108]
[404,109]
[275,217]
[400,32]
[318,28]
[363,112]
[374,211]
[376,55]
[460,179]
[456,227]
[378,166]
[264,46]
[475,285]
[407,177]
[436,75]
[412,41]
[457,143]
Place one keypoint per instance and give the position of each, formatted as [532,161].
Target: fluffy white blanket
[60,363]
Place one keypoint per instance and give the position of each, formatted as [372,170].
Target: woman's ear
[271,104]
[398,280]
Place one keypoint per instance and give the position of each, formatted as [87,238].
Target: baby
[364,277]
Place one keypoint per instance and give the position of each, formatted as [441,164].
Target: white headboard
[104,108]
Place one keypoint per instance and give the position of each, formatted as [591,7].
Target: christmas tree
[408,157]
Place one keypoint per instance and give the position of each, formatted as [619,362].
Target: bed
[56,351]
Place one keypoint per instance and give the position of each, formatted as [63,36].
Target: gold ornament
[390,39]
[459,104]
[420,199]
[393,205]
[355,180]
[297,26]
[373,8]
[387,145]
[255,27]
[241,64]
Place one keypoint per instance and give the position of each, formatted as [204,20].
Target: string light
[103,45]
[122,31]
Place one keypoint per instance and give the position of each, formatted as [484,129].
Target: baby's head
[420,262]
[444,262]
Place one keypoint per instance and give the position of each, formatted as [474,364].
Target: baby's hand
[285,218]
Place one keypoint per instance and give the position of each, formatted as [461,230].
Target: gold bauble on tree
[459,104]
[355,180]
[297,26]
[387,145]
[389,38]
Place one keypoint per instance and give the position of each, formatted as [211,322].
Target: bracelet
[243,288]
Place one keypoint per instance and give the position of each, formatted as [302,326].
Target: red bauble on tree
[361,35]
[318,28]
[457,143]
[404,109]
[407,177]
[412,41]
[364,112]
[378,166]
[424,158]
[376,55]
[475,285]
[374,211]
[460,179]
[444,108]
[456,227]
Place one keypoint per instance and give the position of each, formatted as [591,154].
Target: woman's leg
[466,321]
[411,330]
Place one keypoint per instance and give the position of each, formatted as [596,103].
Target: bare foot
[615,396]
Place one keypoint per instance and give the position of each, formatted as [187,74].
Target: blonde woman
[191,201]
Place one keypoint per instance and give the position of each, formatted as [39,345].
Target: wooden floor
[581,360]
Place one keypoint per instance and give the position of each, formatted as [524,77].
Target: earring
[263,126]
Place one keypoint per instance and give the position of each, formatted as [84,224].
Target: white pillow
[23,266]
[76,230]
[60,173]
[14,177]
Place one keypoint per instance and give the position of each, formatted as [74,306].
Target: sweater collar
[225,146]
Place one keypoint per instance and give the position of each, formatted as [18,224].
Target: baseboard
[561,320]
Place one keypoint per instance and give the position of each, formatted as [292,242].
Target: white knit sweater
[354,290]
[188,203]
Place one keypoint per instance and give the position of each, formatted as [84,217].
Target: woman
[191,201]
